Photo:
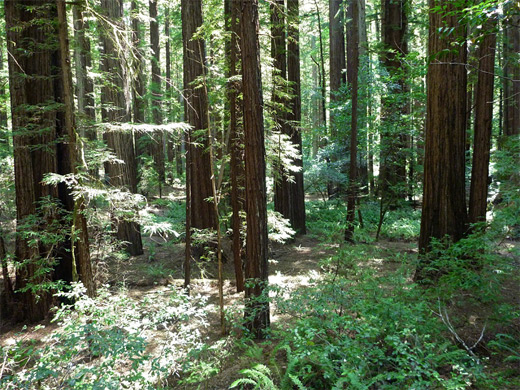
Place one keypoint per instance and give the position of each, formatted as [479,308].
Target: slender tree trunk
[282,195]
[257,305]
[236,142]
[84,83]
[295,115]
[444,201]
[138,88]
[483,125]
[337,54]
[157,146]
[352,79]
[511,83]
[114,93]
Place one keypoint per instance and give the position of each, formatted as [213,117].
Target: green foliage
[102,343]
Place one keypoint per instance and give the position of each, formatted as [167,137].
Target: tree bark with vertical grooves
[196,114]
[394,25]
[352,79]
[444,199]
[295,114]
[483,124]
[114,93]
[257,305]
[236,139]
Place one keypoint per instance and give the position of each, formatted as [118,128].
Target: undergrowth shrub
[107,343]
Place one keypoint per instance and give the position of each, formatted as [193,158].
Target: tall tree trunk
[236,141]
[352,79]
[394,24]
[114,93]
[257,306]
[444,201]
[138,87]
[196,114]
[4,138]
[282,196]
[44,142]
[68,160]
[483,124]
[511,84]
[84,83]
[157,146]
[296,191]
[337,54]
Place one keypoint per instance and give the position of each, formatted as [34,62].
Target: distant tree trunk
[157,146]
[84,83]
[444,201]
[282,196]
[295,115]
[363,98]
[4,138]
[511,83]
[170,152]
[394,25]
[196,114]
[337,53]
[236,141]
[323,83]
[114,94]
[352,79]
[257,308]
[483,125]
[138,88]
[315,103]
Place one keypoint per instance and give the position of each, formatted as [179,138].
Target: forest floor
[292,266]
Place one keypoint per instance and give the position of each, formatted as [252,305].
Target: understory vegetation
[354,320]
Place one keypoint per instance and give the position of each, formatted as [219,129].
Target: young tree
[257,305]
[511,83]
[116,109]
[444,201]
[483,123]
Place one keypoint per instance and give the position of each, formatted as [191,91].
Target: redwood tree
[257,305]
[113,95]
[444,200]
[483,124]
[44,142]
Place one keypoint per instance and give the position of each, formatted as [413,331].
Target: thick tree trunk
[114,94]
[44,142]
[196,114]
[444,201]
[483,125]
[352,79]
[296,190]
[257,306]
[157,145]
